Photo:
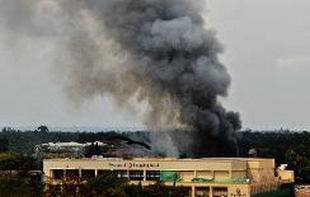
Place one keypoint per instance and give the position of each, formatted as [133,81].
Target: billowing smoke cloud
[159,52]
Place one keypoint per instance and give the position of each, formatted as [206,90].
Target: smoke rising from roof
[155,51]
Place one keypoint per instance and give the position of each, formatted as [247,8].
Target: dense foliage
[21,185]
[18,177]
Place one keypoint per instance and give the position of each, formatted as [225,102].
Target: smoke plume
[159,52]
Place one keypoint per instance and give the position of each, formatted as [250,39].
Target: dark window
[188,190]
[58,174]
[72,174]
[202,191]
[88,174]
[136,175]
[220,191]
[104,172]
[153,175]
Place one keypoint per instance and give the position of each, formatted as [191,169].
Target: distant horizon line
[126,128]
[77,128]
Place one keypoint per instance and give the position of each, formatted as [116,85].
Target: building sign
[133,165]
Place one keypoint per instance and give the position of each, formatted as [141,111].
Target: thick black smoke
[159,52]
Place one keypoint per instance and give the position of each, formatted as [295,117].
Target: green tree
[105,185]
[93,149]
[4,145]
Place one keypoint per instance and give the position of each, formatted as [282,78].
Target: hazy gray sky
[267,53]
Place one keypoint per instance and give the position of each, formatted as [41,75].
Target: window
[136,175]
[104,172]
[57,174]
[153,175]
[202,191]
[121,173]
[72,174]
[220,192]
[87,174]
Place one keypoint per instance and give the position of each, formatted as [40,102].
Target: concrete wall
[286,176]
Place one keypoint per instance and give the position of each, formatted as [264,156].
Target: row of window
[85,174]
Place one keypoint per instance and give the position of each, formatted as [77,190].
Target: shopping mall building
[212,177]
